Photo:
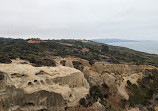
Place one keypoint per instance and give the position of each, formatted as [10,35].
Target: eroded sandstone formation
[25,87]
[29,88]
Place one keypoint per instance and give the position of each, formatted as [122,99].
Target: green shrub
[63,62]
[5,59]
[124,102]
[96,93]
[91,62]
[82,101]
[1,76]
[105,48]
[78,65]
[129,82]
[43,62]
[105,86]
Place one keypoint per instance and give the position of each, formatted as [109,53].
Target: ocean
[143,46]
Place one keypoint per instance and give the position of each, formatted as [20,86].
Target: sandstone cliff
[29,88]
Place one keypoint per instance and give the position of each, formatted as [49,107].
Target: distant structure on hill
[35,40]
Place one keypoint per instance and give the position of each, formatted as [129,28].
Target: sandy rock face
[115,75]
[103,67]
[98,107]
[156,108]
[17,100]
[134,109]
[28,88]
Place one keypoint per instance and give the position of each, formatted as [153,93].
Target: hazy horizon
[79,19]
[79,38]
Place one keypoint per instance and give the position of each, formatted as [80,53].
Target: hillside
[76,75]
[11,49]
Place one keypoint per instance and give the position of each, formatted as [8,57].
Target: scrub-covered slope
[88,50]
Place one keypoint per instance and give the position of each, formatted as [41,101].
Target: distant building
[35,40]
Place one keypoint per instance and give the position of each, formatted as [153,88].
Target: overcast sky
[79,19]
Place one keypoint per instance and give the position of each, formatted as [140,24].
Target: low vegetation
[78,65]
[96,94]
[5,59]
[143,92]
[1,76]
[37,52]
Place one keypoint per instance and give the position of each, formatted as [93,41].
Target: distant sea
[143,46]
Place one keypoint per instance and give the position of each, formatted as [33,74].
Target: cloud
[85,19]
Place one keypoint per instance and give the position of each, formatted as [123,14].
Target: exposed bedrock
[17,100]
[28,88]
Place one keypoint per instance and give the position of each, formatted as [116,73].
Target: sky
[79,19]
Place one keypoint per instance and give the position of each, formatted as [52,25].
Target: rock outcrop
[114,75]
[29,88]
[25,87]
